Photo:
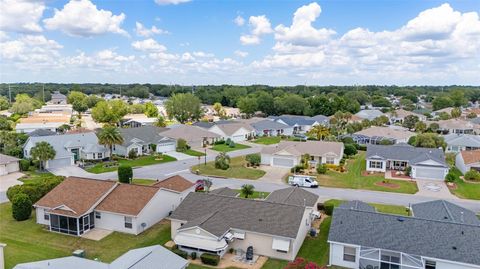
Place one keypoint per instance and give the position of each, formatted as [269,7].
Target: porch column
[78,227]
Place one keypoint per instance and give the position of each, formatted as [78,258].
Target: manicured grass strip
[27,241]
[390,209]
[255,195]
[227,148]
[353,179]
[142,181]
[267,140]
[237,170]
[464,189]
[140,161]
[192,152]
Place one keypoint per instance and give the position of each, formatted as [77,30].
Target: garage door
[59,163]
[429,173]
[166,147]
[237,138]
[285,162]
[12,167]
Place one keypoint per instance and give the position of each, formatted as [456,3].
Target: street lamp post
[205,156]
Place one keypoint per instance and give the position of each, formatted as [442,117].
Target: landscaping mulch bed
[366,173]
[387,185]
[452,186]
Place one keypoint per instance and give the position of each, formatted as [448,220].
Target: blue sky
[341,42]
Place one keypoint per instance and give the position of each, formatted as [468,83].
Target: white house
[142,138]
[69,148]
[468,160]
[233,130]
[426,163]
[271,128]
[300,124]
[78,205]
[460,142]
[376,134]
[439,235]
[8,164]
[289,153]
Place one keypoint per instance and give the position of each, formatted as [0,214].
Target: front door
[76,154]
[86,223]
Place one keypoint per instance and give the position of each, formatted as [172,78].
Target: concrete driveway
[273,174]
[434,188]
[8,181]
[179,156]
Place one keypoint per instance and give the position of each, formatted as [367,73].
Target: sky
[274,42]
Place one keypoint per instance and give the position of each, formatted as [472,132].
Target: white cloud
[202,54]
[171,2]
[82,18]
[259,25]
[146,32]
[239,20]
[149,45]
[301,32]
[21,15]
[106,59]
[241,54]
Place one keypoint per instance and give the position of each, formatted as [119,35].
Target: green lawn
[143,181]
[267,140]
[33,177]
[226,148]
[256,194]
[465,190]
[192,152]
[27,241]
[237,170]
[140,161]
[353,179]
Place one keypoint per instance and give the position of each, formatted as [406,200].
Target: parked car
[200,185]
[301,137]
[303,181]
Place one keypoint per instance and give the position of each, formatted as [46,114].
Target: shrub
[132,154]
[21,207]
[222,161]
[180,253]
[297,169]
[231,145]
[182,145]
[328,207]
[298,263]
[348,140]
[36,190]
[322,169]
[193,255]
[362,147]
[219,142]
[228,141]
[14,190]
[125,174]
[24,165]
[153,147]
[210,259]
[472,175]
[253,159]
[450,177]
[350,150]
[408,171]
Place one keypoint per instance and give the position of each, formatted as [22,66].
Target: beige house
[214,223]
[195,136]
[375,134]
[468,160]
[397,116]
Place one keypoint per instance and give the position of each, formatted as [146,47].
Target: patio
[96,234]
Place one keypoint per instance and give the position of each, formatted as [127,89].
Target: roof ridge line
[252,200]
[448,211]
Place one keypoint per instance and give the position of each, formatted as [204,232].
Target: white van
[303,181]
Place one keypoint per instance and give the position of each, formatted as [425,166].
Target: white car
[303,181]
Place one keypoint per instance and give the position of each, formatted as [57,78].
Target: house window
[100,155]
[282,251]
[330,160]
[349,254]
[128,222]
[98,215]
[374,164]
[430,265]
[46,216]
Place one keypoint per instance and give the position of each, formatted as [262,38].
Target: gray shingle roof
[217,214]
[60,142]
[428,238]
[291,120]
[293,196]
[156,257]
[148,134]
[444,211]
[462,140]
[225,191]
[41,132]
[4,159]
[268,125]
[357,205]
[405,152]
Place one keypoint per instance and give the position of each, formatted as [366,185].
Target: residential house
[275,227]
[8,164]
[425,163]
[377,134]
[137,120]
[58,98]
[271,128]
[69,148]
[468,160]
[397,116]
[154,256]
[233,130]
[300,124]
[459,142]
[144,140]
[369,114]
[457,126]
[41,132]
[54,109]
[42,121]
[195,136]
[290,153]
[78,205]
[439,235]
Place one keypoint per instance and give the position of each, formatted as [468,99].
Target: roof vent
[401,219]
[260,219]
[454,248]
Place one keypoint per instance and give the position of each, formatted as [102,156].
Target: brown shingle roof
[175,183]
[77,194]
[128,199]
[471,156]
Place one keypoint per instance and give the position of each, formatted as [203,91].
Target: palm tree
[319,132]
[43,151]
[109,136]
[247,190]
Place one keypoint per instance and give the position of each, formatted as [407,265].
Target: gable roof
[428,238]
[292,120]
[188,132]
[41,132]
[369,114]
[268,125]
[310,147]
[293,196]
[60,142]
[231,128]
[462,140]
[442,210]
[456,124]
[387,132]
[402,113]
[217,214]
[225,191]
[6,159]
[148,134]
[77,194]
[470,156]
[175,183]
[406,152]
[127,199]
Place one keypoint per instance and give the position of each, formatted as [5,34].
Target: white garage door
[162,148]
[3,170]
[429,173]
[12,167]
[59,163]
[285,162]
[237,138]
